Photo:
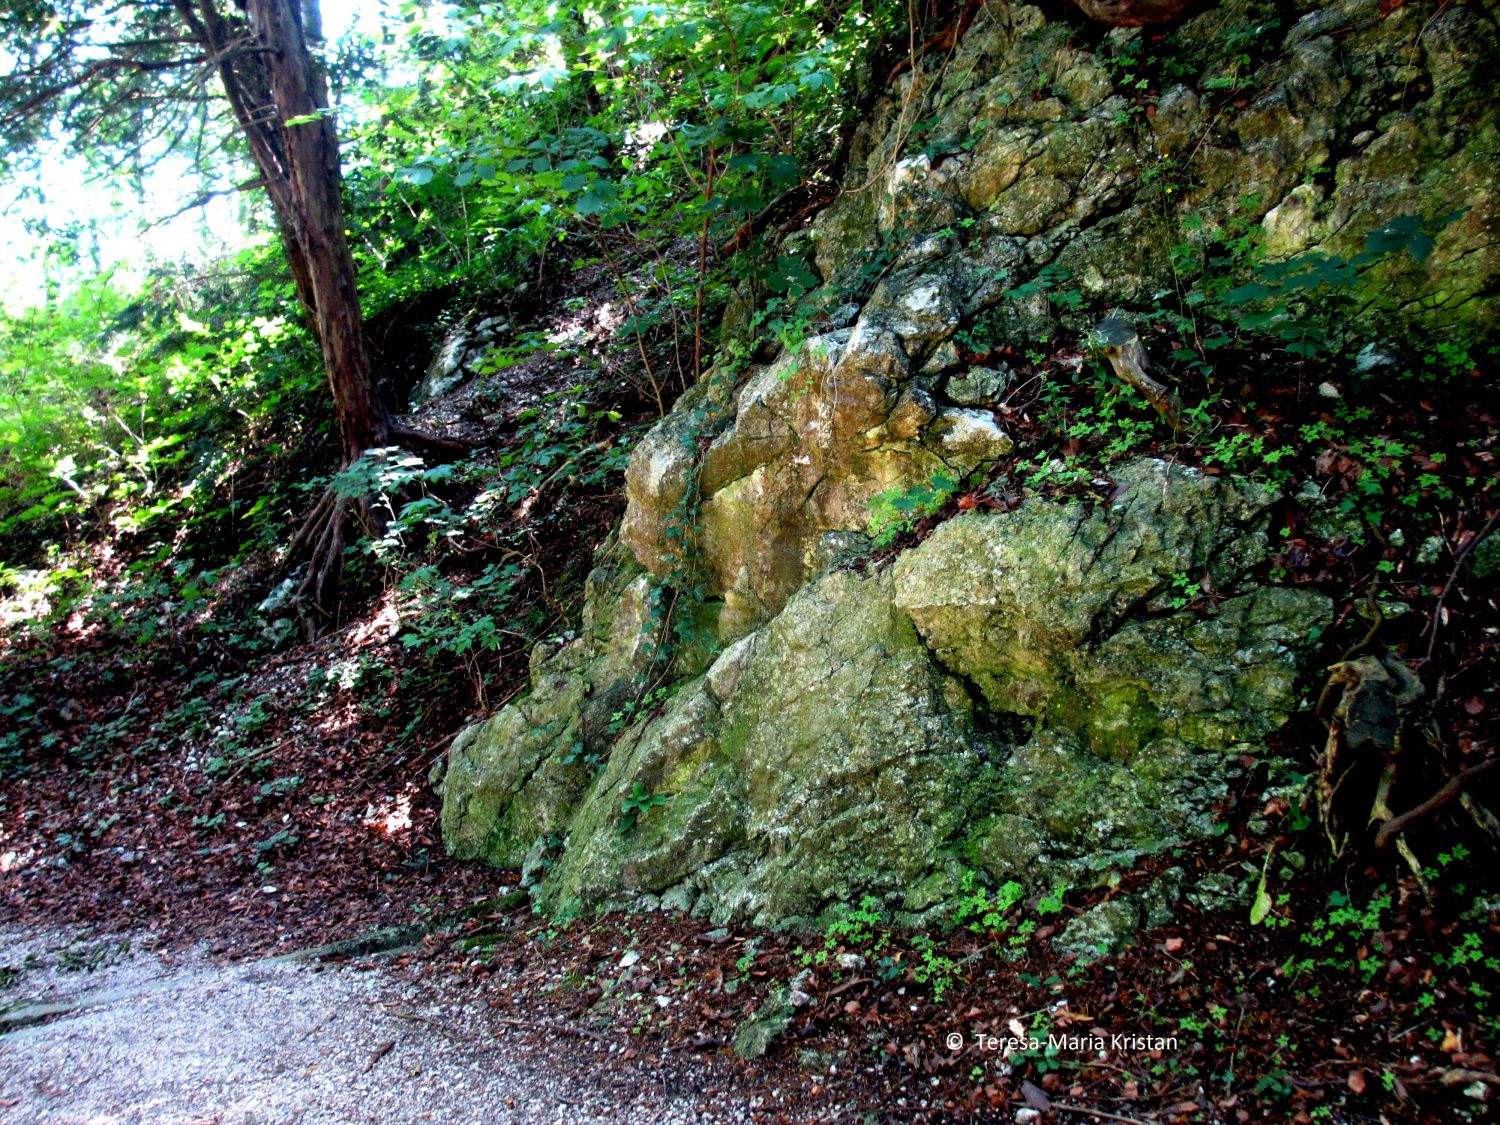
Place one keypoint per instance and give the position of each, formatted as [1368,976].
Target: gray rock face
[981,386]
[1032,605]
[820,758]
[805,445]
[458,357]
[1032,139]
[1040,693]
[837,751]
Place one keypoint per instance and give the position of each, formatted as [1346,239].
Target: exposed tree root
[321,541]
[420,440]
[944,40]
[1120,344]
[1450,789]
[1370,739]
[325,533]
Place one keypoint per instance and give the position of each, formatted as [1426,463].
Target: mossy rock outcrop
[1041,692]
[1012,695]
[1342,118]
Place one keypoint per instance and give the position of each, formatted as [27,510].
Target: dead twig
[379,1053]
[1449,790]
[1458,561]
[1100,1113]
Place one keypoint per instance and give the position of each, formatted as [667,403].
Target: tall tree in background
[132,78]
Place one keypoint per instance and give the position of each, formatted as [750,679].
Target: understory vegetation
[610,191]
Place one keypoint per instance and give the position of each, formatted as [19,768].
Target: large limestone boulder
[515,777]
[1043,692]
[1078,620]
[824,757]
[505,782]
[1016,602]
[1022,692]
[812,439]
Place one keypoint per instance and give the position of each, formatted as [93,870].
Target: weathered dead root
[325,532]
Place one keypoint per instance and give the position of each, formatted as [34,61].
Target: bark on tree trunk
[279,97]
[306,193]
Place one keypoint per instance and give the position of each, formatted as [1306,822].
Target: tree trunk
[302,172]
[279,97]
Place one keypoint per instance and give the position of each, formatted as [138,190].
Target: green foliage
[1184,589]
[1338,934]
[981,911]
[639,800]
[1047,281]
[480,141]
[280,841]
[896,511]
[238,749]
[932,968]
[142,409]
[456,616]
[853,927]
[1052,901]
[633,709]
[521,125]
[1305,304]
[1300,301]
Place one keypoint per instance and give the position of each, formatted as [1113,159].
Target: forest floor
[1370,1005]
[179,1037]
[182,812]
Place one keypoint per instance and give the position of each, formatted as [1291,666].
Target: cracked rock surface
[1027,691]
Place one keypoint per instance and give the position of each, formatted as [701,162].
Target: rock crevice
[1035,693]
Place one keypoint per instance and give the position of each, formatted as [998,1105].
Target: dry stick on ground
[630,305]
[1104,1114]
[1458,562]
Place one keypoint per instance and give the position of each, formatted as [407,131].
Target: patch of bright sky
[123,231]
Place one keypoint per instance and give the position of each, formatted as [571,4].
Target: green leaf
[1261,909]
[418,174]
[602,196]
[1244,294]
[309,118]
[791,276]
[784,171]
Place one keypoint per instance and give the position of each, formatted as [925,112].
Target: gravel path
[152,1038]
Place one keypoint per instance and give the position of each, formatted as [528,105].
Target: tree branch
[204,197]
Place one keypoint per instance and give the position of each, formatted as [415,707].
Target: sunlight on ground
[29,597]
[383,626]
[13,859]
[391,815]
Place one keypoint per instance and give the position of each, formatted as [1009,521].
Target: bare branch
[203,198]
[1449,790]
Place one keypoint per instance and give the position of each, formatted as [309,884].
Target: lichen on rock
[1040,692]
[872,737]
